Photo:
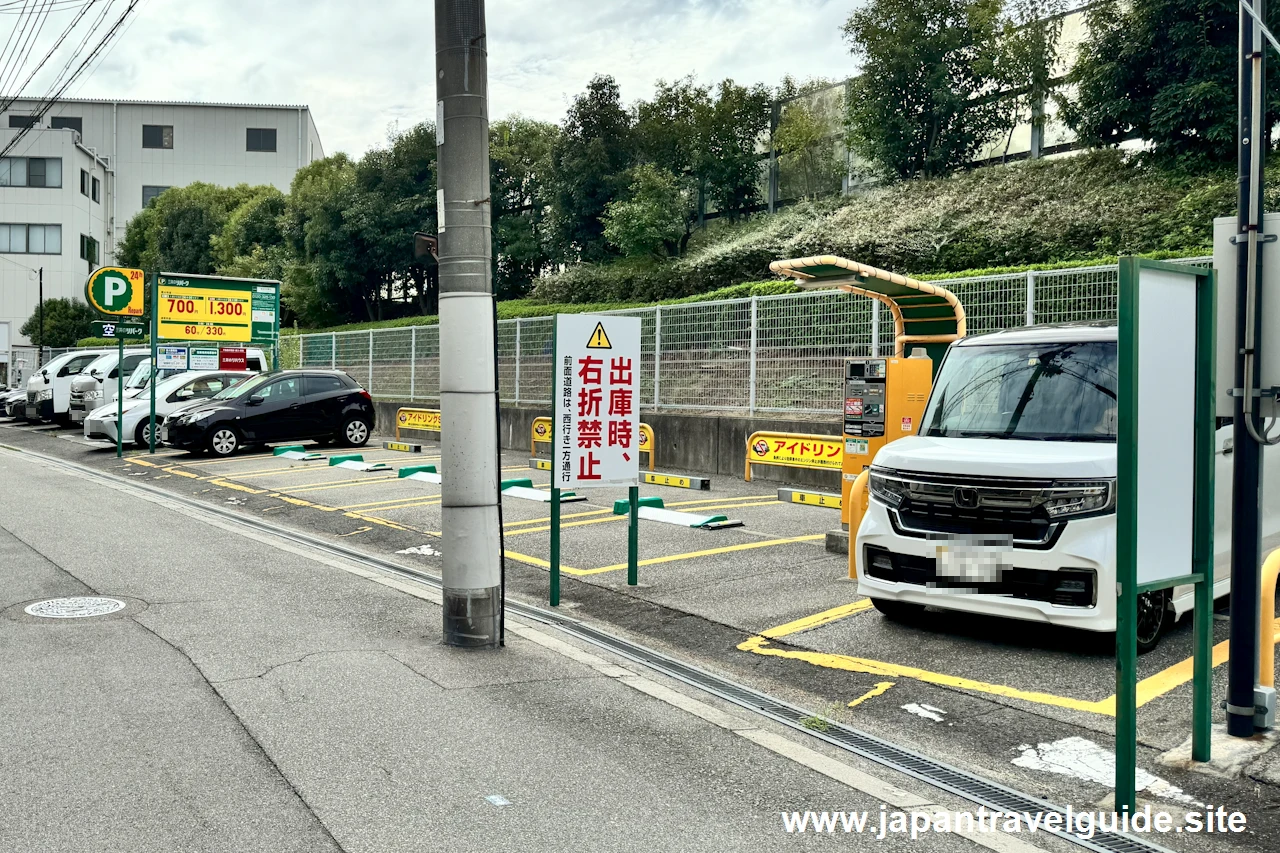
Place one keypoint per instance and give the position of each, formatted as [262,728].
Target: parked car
[49,388]
[179,391]
[96,384]
[1017,452]
[291,405]
[255,361]
[13,403]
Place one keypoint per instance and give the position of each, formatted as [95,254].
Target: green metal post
[155,328]
[633,538]
[1127,544]
[1202,540]
[120,397]
[555,546]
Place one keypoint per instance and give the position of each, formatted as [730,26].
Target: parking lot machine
[884,396]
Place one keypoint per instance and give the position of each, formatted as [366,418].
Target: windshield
[141,376]
[239,390]
[1037,392]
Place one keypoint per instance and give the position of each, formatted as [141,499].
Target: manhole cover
[75,607]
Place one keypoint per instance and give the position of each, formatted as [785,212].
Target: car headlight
[888,490]
[46,394]
[1068,498]
[92,395]
[200,416]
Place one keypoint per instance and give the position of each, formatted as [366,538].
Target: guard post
[1164,481]
[595,426]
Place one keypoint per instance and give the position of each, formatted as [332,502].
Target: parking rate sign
[597,400]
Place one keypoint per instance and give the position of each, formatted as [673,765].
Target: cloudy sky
[365,66]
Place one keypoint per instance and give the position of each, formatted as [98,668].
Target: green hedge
[1060,212]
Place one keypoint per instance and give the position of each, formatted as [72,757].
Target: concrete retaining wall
[694,443]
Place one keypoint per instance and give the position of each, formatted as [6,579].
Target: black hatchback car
[290,405]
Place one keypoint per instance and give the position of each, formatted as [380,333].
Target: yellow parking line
[626,517]
[144,463]
[728,549]
[872,693]
[818,619]
[761,646]
[228,485]
[1180,673]
[295,469]
[337,484]
[408,504]
[301,502]
[725,502]
[400,499]
[182,473]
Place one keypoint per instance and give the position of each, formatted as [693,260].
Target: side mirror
[255,400]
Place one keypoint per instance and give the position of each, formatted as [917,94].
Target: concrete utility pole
[1246,487]
[473,589]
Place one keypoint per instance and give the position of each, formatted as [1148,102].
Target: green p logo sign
[113,290]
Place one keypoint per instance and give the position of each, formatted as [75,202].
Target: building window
[89,250]
[31,239]
[157,136]
[149,193]
[84,183]
[260,139]
[24,121]
[31,172]
[74,122]
[97,189]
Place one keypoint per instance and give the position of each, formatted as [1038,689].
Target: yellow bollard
[857,506]
[1267,640]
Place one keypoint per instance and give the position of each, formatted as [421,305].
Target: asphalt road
[767,605]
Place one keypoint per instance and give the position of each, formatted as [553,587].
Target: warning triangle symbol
[599,340]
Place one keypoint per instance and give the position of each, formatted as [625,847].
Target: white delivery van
[96,384]
[172,393]
[1004,503]
[49,388]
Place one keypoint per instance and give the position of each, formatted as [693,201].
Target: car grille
[1007,508]
[1064,587]
[32,396]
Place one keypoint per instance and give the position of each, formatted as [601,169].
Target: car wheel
[898,611]
[223,441]
[1153,617]
[355,433]
[142,435]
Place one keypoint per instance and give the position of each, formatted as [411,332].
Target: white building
[70,186]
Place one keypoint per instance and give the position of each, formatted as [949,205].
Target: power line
[49,100]
[11,74]
[17,92]
[19,30]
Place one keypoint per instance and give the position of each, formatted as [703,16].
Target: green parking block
[292,448]
[519,481]
[345,457]
[622,507]
[410,470]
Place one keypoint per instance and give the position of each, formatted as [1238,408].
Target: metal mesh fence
[765,353]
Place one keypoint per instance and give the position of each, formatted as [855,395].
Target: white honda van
[1004,504]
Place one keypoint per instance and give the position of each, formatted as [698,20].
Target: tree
[916,109]
[323,283]
[653,219]
[732,163]
[1163,71]
[590,161]
[522,188]
[1025,59]
[806,147]
[65,322]
[176,231]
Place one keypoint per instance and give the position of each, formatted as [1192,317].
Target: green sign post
[1165,503]
[119,330]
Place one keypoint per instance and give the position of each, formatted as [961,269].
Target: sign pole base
[633,537]
[555,547]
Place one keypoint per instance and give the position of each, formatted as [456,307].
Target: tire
[355,432]
[142,433]
[898,611]
[1153,619]
[223,441]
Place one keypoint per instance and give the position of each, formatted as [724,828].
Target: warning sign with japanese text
[597,398]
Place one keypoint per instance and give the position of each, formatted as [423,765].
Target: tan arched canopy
[922,313]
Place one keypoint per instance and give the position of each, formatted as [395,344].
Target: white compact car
[1016,460]
[171,394]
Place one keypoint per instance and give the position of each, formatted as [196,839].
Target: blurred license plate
[976,560]
[164,433]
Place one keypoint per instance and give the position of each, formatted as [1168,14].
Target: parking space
[795,613]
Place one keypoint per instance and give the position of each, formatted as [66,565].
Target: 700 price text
[216,307]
